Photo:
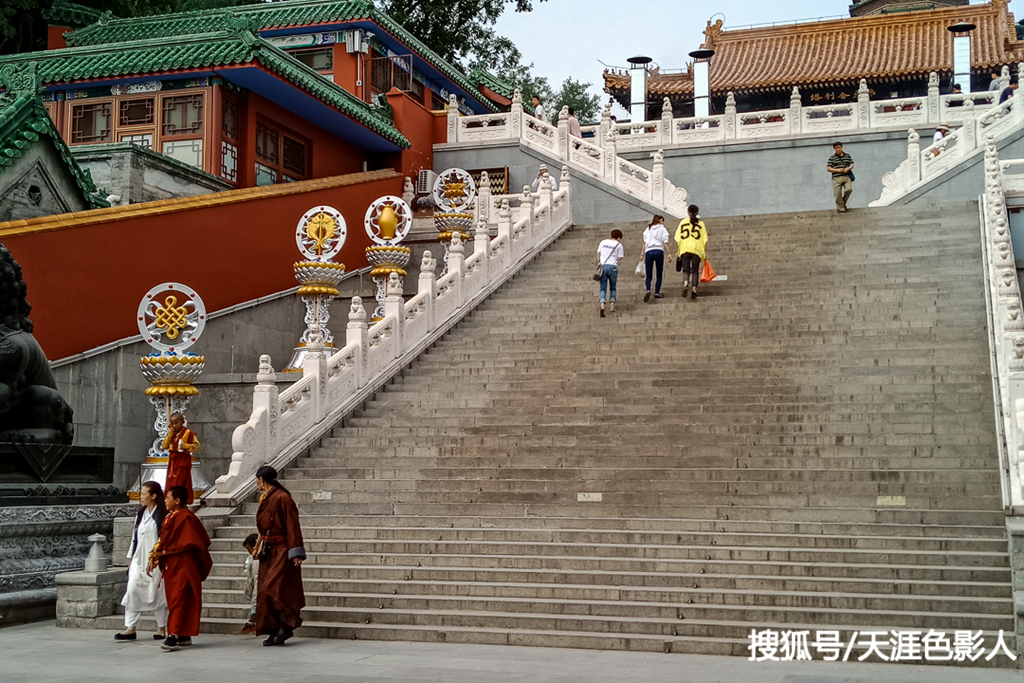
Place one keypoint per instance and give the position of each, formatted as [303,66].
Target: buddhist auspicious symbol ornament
[319,235]
[171,318]
[387,222]
[454,192]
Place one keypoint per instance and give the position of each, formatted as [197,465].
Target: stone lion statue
[31,408]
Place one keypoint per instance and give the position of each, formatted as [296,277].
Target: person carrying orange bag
[691,243]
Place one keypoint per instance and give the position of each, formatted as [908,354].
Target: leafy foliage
[21,25]
[575,94]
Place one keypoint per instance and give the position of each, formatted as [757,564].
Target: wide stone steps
[394,526]
[728,512]
[505,585]
[339,478]
[808,445]
[861,549]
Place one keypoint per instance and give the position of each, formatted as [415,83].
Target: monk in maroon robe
[184,558]
[180,443]
[279,596]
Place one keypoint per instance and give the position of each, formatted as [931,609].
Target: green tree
[577,95]
[458,30]
[21,25]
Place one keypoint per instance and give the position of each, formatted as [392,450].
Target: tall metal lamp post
[962,54]
[702,82]
[638,88]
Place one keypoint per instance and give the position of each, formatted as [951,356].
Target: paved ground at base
[42,653]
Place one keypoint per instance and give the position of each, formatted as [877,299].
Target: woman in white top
[145,594]
[655,245]
[608,254]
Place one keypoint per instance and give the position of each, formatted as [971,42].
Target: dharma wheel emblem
[171,317]
[454,190]
[321,233]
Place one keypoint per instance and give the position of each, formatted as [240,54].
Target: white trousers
[131,617]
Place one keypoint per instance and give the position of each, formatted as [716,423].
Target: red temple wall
[85,280]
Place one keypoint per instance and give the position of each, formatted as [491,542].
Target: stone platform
[43,654]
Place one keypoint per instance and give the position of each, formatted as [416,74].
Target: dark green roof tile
[199,51]
[69,14]
[264,17]
[498,85]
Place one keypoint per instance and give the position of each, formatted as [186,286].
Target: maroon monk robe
[180,446]
[184,570]
[279,596]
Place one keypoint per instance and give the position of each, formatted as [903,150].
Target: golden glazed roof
[842,51]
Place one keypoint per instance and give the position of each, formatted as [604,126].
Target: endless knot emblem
[171,316]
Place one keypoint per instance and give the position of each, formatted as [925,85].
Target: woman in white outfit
[145,594]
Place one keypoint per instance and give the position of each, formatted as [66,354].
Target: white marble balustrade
[926,163]
[860,112]
[283,424]
[1006,319]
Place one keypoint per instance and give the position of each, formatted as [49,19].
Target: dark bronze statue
[31,408]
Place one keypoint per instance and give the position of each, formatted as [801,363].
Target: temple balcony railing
[595,158]
[283,425]
[1004,183]
[926,163]
[859,114]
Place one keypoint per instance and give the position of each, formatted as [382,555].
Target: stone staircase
[809,445]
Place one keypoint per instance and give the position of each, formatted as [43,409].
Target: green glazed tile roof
[23,122]
[498,85]
[208,50]
[63,13]
[264,17]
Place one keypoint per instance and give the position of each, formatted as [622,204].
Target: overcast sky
[566,38]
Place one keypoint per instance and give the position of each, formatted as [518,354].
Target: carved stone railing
[858,112]
[596,160]
[1006,321]
[925,164]
[284,424]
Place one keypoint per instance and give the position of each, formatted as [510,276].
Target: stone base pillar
[84,596]
[124,529]
[1015,531]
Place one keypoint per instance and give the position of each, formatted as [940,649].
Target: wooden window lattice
[91,123]
[183,115]
[136,112]
[267,144]
[294,156]
[230,120]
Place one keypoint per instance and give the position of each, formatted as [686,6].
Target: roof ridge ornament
[20,78]
[106,18]
[711,34]
[245,27]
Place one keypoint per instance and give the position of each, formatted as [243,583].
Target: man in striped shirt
[840,165]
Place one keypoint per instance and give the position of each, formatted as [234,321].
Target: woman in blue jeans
[655,245]
[608,254]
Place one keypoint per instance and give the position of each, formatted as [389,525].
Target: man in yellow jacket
[691,243]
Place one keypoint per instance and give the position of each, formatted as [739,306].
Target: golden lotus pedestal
[449,223]
[386,259]
[319,285]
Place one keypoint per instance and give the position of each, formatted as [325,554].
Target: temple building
[256,95]
[892,44]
